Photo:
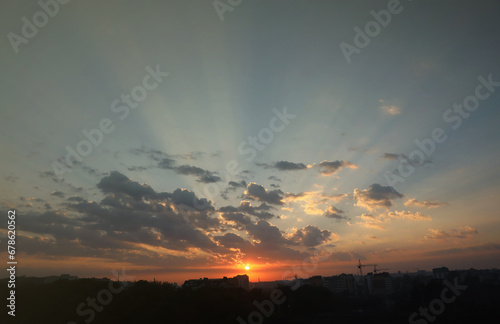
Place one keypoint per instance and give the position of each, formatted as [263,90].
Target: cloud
[287,166]
[391,109]
[391,156]
[371,221]
[408,215]
[335,213]
[427,204]
[331,167]
[204,176]
[257,192]
[119,183]
[311,236]
[261,212]
[377,196]
[59,194]
[462,233]
[486,247]
[241,184]
[168,162]
[405,159]
[48,174]
[313,201]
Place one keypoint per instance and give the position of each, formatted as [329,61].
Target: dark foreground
[103,301]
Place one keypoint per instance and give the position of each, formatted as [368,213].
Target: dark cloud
[274,178]
[377,196]
[48,175]
[134,223]
[269,235]
[59,194]
[261,212]
[139,168]
[241,184]
[335,213]
[311,236]
[91,171]
[284,166]
[331,167]
[166,163]
[204,176]
[257,192]
[155,155]
[230,240]
[119,183]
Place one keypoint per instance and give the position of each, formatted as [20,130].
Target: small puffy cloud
[335,213]
[391,109]
[257,192]
[391,156]
[377,196]
[274,178]
[331,167]
[427,204]
[59,194]
[461,233]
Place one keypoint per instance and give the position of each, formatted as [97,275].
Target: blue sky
[360,118]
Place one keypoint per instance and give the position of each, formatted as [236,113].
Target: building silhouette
[240,281]
[341,283]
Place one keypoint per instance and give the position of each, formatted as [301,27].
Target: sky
[188,139]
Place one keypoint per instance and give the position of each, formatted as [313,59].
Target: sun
[247,267]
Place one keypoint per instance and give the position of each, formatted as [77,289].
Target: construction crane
[360,267]
[375,270]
